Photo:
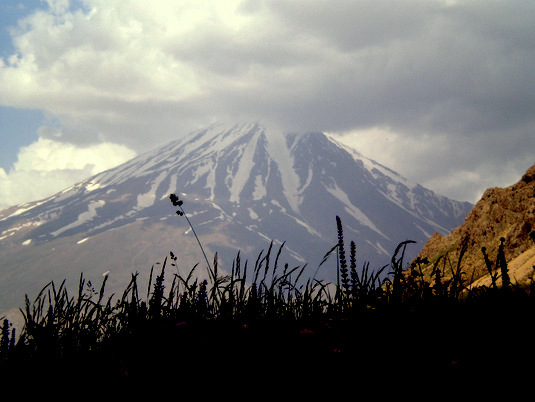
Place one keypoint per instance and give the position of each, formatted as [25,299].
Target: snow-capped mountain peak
[243,186]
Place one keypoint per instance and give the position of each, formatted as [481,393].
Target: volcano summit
[243,187]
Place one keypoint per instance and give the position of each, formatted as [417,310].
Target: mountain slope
[242,187]
[507,213]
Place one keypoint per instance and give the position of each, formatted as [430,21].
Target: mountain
[242,187]
[501,213]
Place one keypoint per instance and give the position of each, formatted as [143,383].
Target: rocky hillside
[502,214]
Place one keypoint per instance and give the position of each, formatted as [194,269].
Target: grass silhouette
[265,314]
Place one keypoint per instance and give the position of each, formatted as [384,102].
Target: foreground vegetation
[268,313]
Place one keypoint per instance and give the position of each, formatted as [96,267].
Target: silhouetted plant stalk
[439,288]
[7,340]
[355,280]
[60,324]
[458,282]
[499,268]
[178,203]
[354,290]
[57,325]
[342,269]
[502,263]
[489,265]
[397,271]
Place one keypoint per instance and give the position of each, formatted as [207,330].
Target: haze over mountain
[242,186]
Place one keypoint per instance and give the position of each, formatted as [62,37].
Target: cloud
[46,167]
[461,168]
[441,76]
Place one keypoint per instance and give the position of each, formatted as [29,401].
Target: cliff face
[507,213]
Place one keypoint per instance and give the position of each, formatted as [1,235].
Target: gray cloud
[452,81]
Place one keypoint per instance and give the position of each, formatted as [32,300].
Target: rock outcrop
[506,214]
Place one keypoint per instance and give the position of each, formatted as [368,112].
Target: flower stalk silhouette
[178,203]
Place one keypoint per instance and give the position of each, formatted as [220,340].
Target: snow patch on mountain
[21,228]
[22,208]
[252,214]
[83,217]
[378,247]
[361,217]
[260,190]
[92,185]
[236,180]
[425,232]
[309,228]
[280,153]
[147,199]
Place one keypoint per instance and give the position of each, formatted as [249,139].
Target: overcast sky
[441,91]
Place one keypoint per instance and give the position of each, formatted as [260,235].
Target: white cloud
[47,166]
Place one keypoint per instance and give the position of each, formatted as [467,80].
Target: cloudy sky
[442,91]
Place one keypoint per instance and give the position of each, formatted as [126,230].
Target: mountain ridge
[243,187]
